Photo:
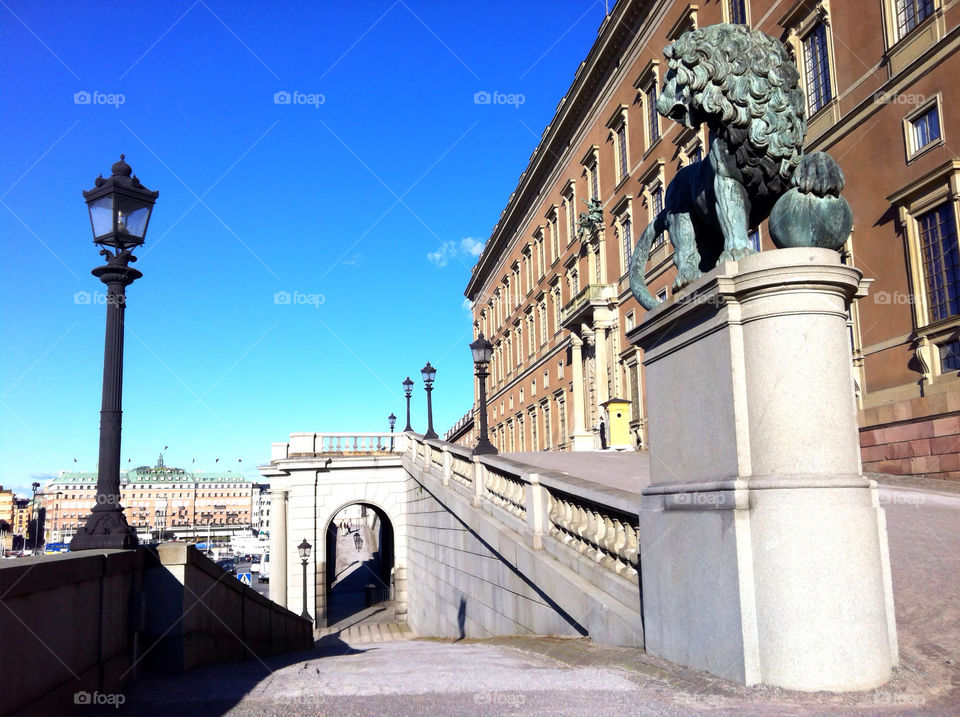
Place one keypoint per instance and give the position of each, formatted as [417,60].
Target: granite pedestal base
[763,549]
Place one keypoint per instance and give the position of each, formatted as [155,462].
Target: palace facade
[882,86]
[159,501]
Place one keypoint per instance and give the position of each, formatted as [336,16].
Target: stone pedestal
[763,549]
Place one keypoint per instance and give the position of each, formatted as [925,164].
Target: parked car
[229,565]
[263,576]
[255,564]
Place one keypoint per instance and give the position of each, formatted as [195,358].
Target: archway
[359,580]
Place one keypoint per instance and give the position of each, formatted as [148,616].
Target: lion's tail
[819,174]
[638,262]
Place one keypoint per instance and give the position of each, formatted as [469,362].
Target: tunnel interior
[359,564]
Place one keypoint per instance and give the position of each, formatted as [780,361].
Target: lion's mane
[746,87]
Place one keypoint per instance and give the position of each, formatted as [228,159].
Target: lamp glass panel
[132,216]
[101,216]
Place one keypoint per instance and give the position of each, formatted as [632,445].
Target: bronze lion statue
[745,86]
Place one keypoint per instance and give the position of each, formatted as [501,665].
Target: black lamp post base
[484,448]
[105,530]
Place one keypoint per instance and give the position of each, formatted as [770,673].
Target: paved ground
[375,668]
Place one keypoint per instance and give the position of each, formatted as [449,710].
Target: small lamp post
[482,350]
[408,391]
[36,517]
[120,208]
[392,420]
[429,373]
[304,549]
[357,540]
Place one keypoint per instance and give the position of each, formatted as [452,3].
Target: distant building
[261,509]
[462,432]
[22,519]
[160,502]
[882,86]
[6,519]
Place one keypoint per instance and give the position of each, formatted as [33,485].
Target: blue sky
[365,198]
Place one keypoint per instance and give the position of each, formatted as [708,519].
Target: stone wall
[475,570]
[88,622]
[918,440]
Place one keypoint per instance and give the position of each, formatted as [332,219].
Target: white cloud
[467,306]
[466,248]
[471,247]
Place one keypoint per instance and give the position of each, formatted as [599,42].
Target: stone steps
[366,633]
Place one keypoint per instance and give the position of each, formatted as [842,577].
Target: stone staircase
[364,634]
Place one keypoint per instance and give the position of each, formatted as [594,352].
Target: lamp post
[392,420]
[36,518]
[429,373]
[304,549]
[408,391]
[120,208]
[482,350]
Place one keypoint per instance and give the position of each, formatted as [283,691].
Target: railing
[461,469]
[589,293]
[598,525]
[506,491]
[317,444]
[612,542]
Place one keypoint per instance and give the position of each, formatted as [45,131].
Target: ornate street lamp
[304,549]
[408,391]
[392,420]
[120,209]
[482,350]
[36,519]
[429,373]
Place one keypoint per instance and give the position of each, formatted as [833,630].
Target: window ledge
[926,148]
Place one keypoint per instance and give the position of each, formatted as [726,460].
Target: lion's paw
[736,254]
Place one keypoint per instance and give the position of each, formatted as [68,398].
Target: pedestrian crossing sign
[244,578]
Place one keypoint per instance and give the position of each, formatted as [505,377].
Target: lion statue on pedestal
[745,86]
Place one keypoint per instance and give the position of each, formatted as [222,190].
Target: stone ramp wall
[485,557]
[80,624]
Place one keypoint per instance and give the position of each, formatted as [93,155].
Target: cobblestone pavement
[379,669]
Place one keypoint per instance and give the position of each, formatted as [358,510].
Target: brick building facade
[882,84]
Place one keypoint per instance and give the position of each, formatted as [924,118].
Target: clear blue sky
[368,206]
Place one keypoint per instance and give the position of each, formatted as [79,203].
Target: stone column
[763,548]
[278,546]
[602,357]
[580,440]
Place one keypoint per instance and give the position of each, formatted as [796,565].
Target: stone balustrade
[505,490]
[592,531]
[304,445]
[570,517]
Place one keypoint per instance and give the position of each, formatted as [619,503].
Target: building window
[950,356]
[653,117]
[591,171]
[662,295]
[617,124]
[911,13]
[554,233]
[816,66]
[629,321]
[656,206]
[941,261]
[626,236]
[738,11]
[923,128]
[569,199]
[754,238]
